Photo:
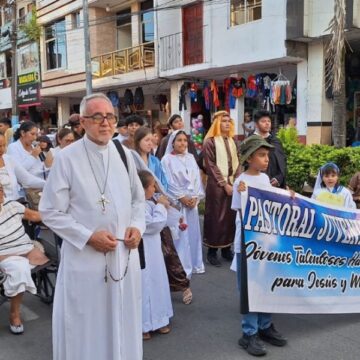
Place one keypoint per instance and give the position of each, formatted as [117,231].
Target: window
[22,16]
[75,20]
[244,11]
[147,21]
[7,14]
[55,41]
[123,24]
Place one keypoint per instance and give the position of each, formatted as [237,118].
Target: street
[207,329]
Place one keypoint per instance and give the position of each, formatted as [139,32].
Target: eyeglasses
[100,118]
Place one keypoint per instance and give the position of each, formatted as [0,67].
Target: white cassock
[94,319]
[156,298]
[184,179]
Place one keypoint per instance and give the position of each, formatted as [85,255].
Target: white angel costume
[184,180]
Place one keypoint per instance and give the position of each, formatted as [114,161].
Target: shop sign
[28,95]
[29,78]
[28,59]
[5,99]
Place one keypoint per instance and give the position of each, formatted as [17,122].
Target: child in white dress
[156,301]
[185,187]
[328,190]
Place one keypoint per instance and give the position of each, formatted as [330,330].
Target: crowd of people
[125,202]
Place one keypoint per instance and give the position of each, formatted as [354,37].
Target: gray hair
[87,98]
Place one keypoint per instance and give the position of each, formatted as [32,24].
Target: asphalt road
[208,329]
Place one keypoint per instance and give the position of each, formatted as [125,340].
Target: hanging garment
[207,95]
[193,92]
[215,93]
[227,86]
[239,87]
[139,96]
[128,98]
[182,99]
[114,98]
[288,94]
[251,87]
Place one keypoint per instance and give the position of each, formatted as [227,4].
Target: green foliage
[304,161]
[31,28]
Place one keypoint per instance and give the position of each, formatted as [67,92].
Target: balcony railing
[171,51]
[176,52]
[124,61]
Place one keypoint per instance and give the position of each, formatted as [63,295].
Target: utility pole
[88,68]
[13,40]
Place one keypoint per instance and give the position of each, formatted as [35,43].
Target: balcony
[180,49]
[124,61]
[5,43]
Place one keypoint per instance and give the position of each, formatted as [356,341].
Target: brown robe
[176,273]
[219,220]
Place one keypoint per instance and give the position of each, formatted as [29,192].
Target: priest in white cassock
[98,208]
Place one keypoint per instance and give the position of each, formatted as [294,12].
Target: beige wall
[318,135]
[102,37]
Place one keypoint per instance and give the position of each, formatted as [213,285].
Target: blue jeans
[251,322]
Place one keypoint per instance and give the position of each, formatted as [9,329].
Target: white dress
[184,179]
[94,319]
[156,299]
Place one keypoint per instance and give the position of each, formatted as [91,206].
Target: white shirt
[250,180]
[18,175]
[26,160]
[120,138]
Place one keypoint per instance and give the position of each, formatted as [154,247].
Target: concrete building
[174,51]
[123,54]
[27,55]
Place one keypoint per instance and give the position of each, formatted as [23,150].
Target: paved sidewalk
[208,329]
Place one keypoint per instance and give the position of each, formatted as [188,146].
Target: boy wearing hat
[255,326]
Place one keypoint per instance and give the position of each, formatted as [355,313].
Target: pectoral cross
[103,201]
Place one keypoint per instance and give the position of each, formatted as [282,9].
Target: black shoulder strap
[122,154]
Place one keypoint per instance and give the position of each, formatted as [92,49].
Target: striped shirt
[13,239]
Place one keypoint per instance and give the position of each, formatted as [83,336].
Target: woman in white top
[12,174]
[24,153]
[185,186]
[64,138]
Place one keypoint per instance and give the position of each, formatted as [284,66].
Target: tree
[335,72]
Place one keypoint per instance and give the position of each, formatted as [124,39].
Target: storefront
[273,89]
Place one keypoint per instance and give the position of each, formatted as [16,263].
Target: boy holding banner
[256,326]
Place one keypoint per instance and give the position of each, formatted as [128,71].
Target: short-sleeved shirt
[250,180]
[13,239]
